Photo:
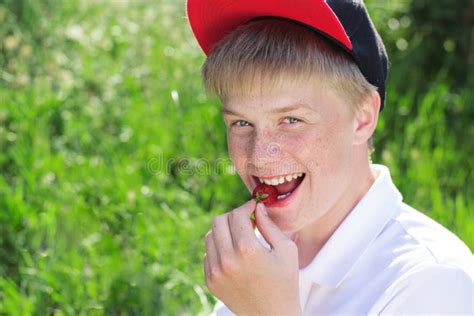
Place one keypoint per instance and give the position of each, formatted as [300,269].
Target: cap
[345,22]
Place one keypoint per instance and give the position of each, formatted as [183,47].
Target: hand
[247,277]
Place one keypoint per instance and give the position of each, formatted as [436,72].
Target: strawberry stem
[260,196]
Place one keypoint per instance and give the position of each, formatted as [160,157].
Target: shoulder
[431,269]
[431,288]
[415,239]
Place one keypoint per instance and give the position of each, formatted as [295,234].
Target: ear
[366,117]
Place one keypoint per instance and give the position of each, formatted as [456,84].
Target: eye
[291,120]
[240,123]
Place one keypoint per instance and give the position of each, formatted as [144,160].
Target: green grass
[94,94]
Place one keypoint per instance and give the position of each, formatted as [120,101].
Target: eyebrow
[279,110]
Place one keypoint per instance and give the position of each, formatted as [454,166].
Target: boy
[302,83]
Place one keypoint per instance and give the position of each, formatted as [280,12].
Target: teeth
[281,197]
[280,180]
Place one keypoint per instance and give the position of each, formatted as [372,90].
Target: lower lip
[287,200]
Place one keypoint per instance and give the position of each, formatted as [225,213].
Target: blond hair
[263,54]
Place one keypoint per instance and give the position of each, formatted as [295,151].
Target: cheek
[325,148]
[237,148]
[339,142]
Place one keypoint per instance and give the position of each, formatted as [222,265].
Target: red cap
[212,20]
[345,22]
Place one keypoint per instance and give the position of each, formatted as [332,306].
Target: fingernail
[262,209]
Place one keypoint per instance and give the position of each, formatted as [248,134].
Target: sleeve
[221,310]
[434,290]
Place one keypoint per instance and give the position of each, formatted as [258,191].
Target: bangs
[255,80]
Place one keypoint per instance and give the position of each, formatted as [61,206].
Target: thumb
[269,230]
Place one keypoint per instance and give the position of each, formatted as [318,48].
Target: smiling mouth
[284,184]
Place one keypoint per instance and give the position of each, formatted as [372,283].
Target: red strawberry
[264,193]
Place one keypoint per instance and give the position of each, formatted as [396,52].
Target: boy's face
[314,138]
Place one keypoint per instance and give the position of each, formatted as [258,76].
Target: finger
[222,237]
[248,207]
[269,230]
[206,267]
[296,238]
[211,250]
[207,234]
[241,227]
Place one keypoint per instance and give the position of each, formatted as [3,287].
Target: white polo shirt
[387,258]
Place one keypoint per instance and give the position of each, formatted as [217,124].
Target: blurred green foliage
[96,95]
[428,42]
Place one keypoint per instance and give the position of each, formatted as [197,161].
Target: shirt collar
[361,226]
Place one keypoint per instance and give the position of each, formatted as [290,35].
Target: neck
[313,238]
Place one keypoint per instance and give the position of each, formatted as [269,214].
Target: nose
[264,149]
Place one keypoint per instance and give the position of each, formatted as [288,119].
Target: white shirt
[387,258]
